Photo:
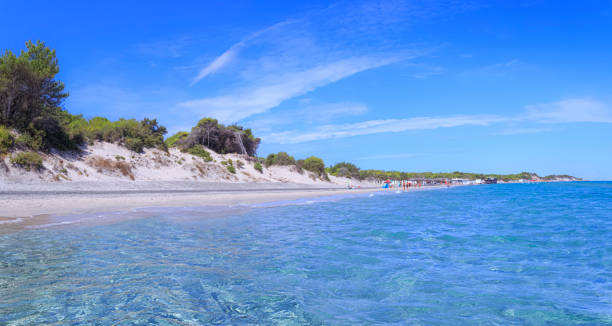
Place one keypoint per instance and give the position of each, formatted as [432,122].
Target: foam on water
[538,254]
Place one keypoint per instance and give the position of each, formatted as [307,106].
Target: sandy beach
[31,205]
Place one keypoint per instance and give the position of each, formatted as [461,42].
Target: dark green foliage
[396,175]
[28,140]
[344,169]
[27,160]
[199,150]
[6,140]
[229,165]
[31,98]
[171,141]
[258,167]
[281,158]
[134,144]
[316,166]
[221,139]
[131,133]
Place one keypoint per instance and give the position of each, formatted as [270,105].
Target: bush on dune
[281,158]
[219,138]
[6,140]
[172,140]
[200,151]
[316,166]
[106,165]
[31,102]
[27,160]
[344,169]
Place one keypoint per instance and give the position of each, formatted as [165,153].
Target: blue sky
[504,86]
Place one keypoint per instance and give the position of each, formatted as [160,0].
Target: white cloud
[570,110]
[308,115]
[566,111]
[259,98]
[379,126]
[218,63]
[229,55]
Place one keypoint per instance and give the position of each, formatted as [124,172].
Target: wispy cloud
[379,126]
[566,111]
[226,57]
[570,110]
[308,115]
[302,54]
[249,101]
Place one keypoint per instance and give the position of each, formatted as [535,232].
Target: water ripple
[487,255]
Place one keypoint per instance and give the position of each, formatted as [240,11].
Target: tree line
[32,117]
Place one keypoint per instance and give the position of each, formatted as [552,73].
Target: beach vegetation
[316,166]
[257,166]
[31,100]
[119,158]
[200,151]
[229,164]
[106,165]
[171,141]
[239,164]
[281,158]
[6,140]
[27,160]
[344,169]
[219,138]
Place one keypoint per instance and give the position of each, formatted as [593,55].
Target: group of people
[402,184]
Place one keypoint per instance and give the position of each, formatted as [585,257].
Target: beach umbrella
[387,181]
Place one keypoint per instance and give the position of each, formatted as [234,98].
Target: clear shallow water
[489,255]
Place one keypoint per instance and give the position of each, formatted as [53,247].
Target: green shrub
[199,150]
[281,158]
[231,168]
[134,144]
[27,160]
[119,158]
[315,165]
[26,140]
[6,140]
[258,167]
[344,169]
[171,141]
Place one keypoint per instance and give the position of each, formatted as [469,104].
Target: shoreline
[20,210]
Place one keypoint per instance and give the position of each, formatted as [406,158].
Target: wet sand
[32,208]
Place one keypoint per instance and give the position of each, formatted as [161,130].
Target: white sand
[155,165]
[70,183]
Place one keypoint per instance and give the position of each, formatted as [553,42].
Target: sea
[505,254]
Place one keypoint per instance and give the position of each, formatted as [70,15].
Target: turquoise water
[528,254]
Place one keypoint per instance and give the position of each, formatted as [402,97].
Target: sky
[489,87]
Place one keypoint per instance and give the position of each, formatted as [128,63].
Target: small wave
[52,224]
[17,220]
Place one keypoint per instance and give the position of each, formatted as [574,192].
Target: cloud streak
[379,126]
[566,111]
[242,104]
[302,54]
[570,110]
[228,56]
